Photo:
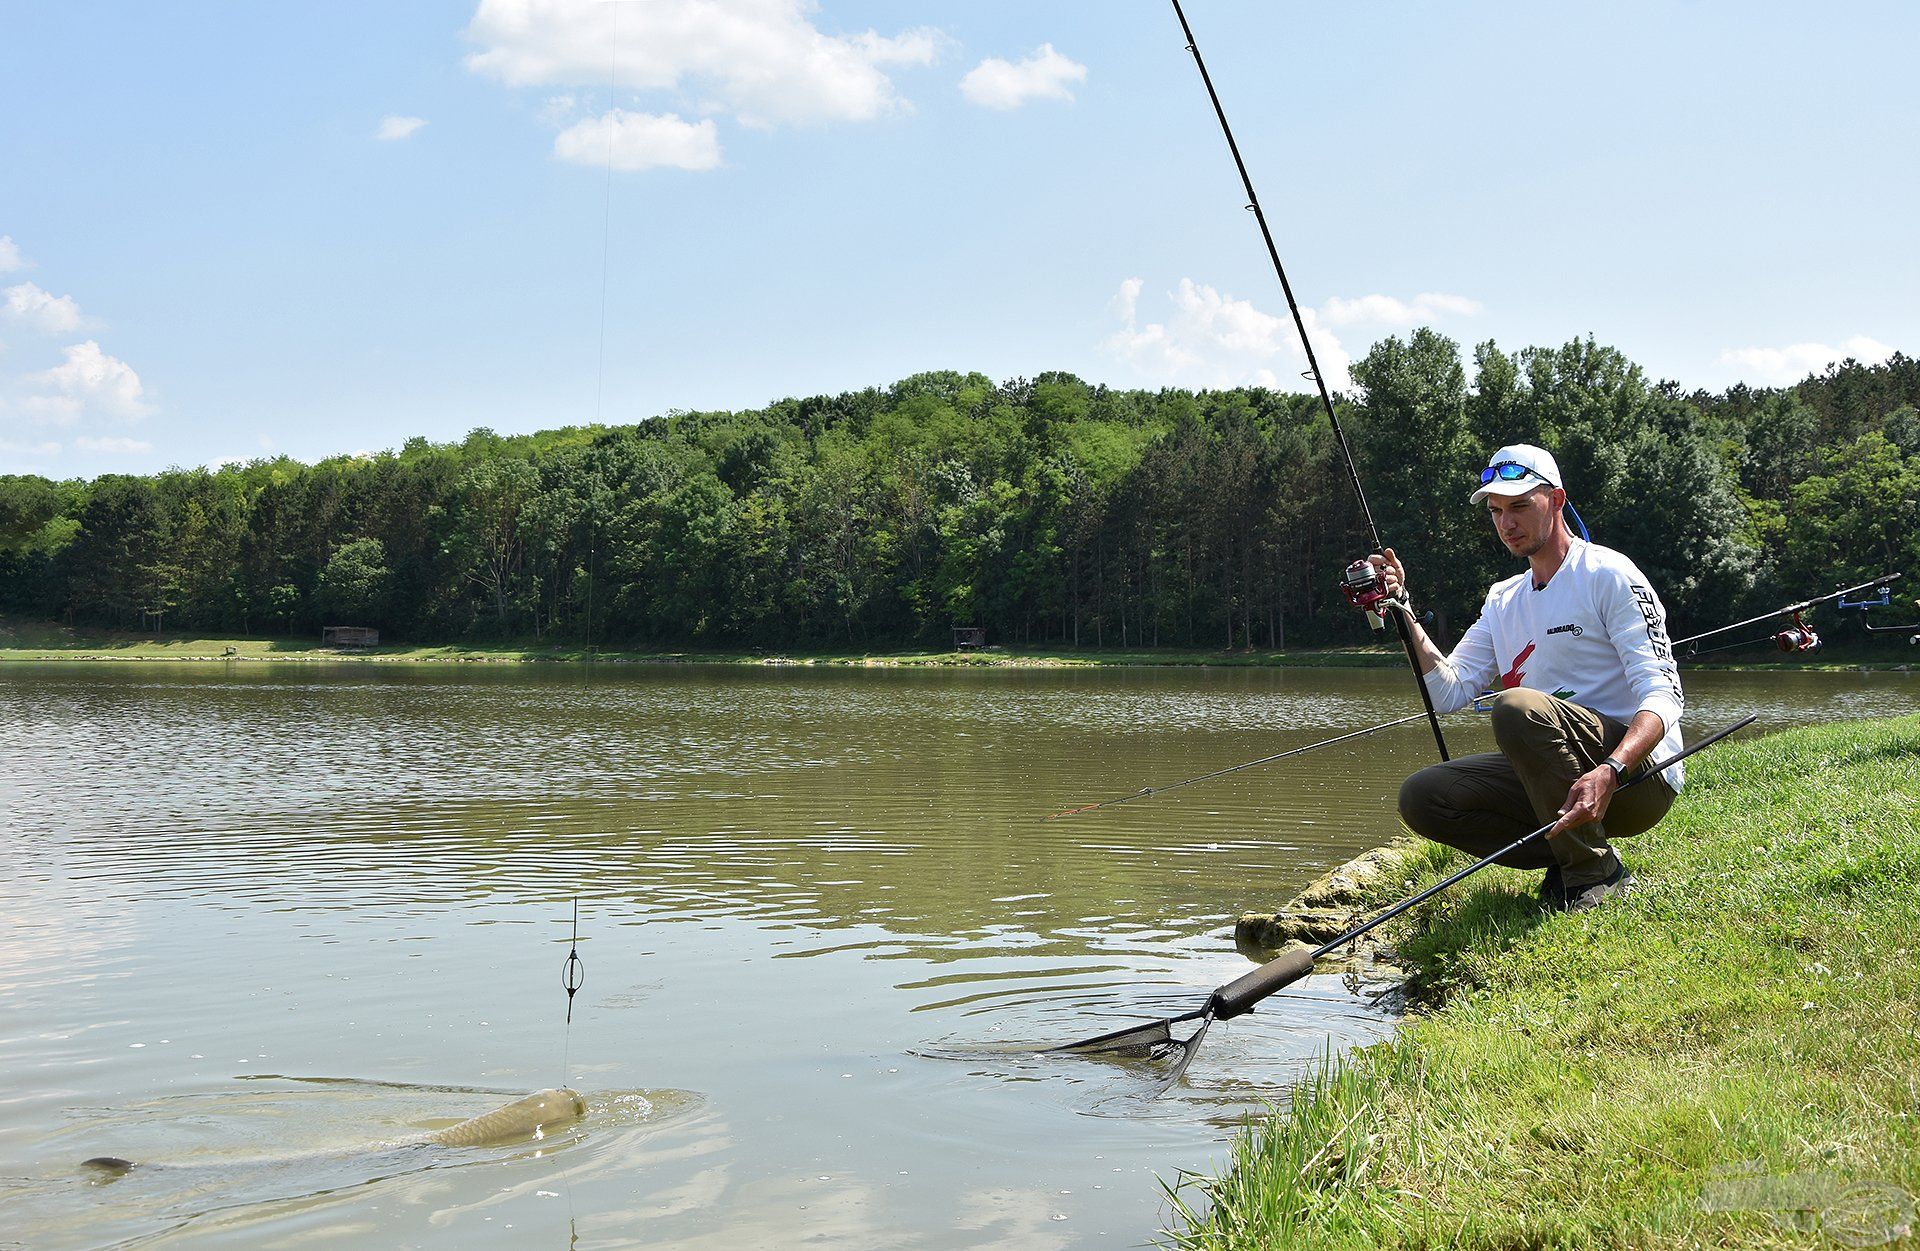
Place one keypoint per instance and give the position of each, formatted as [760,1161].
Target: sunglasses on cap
[1511,471]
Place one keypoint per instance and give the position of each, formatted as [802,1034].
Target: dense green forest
[1047,510]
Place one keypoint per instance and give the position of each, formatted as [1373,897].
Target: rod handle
[1243,992]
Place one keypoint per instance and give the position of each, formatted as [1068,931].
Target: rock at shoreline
[1325,909]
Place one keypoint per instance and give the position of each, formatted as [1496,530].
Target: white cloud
[88,381]
[1779,366]
[112,445]
[636,141]
[9,255]
[45,448]
[1214,340]
[1210,339]
[41,310]
[762,61]
[394,127]
[1385,310]
[1046,75]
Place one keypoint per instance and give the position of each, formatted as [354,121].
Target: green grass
[25,640]
[39,640]
[1579,1081]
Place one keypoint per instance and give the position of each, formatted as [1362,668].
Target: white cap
[1538,460]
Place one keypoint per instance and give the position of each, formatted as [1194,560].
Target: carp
[527,1117]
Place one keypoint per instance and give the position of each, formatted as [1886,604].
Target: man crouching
[1584,689]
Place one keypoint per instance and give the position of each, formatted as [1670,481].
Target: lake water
[257,916]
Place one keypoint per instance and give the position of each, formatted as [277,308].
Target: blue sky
[236,230]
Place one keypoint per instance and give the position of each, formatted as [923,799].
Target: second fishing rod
[1313,368]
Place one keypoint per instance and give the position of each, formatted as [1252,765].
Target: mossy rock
[1349,885]
[1270,931]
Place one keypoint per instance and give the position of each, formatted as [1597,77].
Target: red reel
[1362,586]
[1800,637]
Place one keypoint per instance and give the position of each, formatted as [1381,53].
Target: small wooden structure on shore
[968,638]
[349,636]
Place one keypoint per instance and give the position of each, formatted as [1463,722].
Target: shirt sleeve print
[1637,627]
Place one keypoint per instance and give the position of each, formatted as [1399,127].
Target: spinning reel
[1799,637]
[1363,588]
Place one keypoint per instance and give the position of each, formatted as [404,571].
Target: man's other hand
[1588,799]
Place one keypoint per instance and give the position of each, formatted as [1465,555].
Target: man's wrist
[1619,769]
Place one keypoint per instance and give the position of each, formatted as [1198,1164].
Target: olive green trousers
[1481,803]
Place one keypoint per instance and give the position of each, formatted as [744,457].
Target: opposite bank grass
[1742,1033]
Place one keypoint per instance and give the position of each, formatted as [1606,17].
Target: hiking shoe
[1553,892]
[1587,898]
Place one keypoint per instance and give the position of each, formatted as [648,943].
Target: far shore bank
[27,642]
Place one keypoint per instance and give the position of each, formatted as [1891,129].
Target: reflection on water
[790,883]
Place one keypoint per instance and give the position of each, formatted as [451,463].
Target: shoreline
[1647,1075]
[51,644]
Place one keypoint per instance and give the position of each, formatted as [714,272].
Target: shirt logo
[1516,675]
[1569,628]
[1650,613]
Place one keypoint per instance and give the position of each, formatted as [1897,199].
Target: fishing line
[573,975]
[606,214]
[1727,647]
[573,971]
[1150,791]
[1313,365]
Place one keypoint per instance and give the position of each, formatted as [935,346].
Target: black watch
[1619,770]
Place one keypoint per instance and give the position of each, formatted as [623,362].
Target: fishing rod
[1155,1039]
[1799,637]
[1313,366]
[1149,791]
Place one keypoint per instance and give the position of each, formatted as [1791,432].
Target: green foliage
[352,589]
[27,505]
[1419,451]
[1048,510]
[1858,517]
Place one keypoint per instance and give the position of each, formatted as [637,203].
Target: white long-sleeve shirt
[1595,635]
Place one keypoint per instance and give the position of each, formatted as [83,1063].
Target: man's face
[1525,522]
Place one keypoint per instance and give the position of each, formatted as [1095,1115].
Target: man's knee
[1422,796]
[1521,717]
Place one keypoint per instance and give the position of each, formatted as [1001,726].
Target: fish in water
[528,1117]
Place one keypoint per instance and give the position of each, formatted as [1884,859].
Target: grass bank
[22,640]
[1728,1058]
[40,641]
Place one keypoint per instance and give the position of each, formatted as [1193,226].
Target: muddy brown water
[225,883]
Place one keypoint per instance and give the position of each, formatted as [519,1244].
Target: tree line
[1049,511]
